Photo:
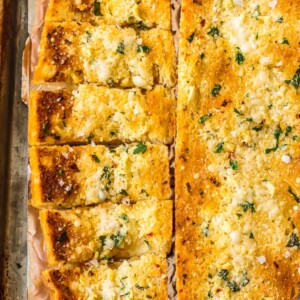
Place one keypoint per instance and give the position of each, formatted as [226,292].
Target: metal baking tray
[13,152]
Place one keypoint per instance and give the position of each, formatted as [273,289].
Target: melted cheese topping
[238,117]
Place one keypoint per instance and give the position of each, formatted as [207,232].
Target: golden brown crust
[137,278]
[110,115]
[143,14]
[237,190]
[82,175]
[107,231]
[105,54]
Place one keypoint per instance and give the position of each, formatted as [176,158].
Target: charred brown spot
[85,5]
[50,103]
[214,181]
[58,52]
[59,233]
[189,187]
[181,156]
[56,184]
[225,102]
[61,281]
[231,155]
[56,42]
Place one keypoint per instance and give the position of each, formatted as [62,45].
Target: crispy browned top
[61,168]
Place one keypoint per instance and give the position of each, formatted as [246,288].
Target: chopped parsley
[213,31]
[123,192]
[121,48]
[204,118]
[258,127]
[285,41]
[97,8]
[46,127]
[140,148]
[102,239]
[143,49]
[142,288]
[251,236]
[295,81]
[245,281]
[233,286]
[297,199]
[239,215]
[106,175]
[191,37]
[142,26]
[61,172]
[247,205]
[288,129]
[279,20]
[95,158]
[238,112]
[239,57]
[256,12]
[117,238]
[293,241]
[215,91]
[90,138]
[106,257]
[202,55]
[219,148]
[277,134]
[125,218]
[205,231]
[144,192]
[148,243]
[234,165]
[295,138]
[223,274]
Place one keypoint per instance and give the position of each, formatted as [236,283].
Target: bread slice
[82,175]
[107,231]
[137,278]
[105,54]
[143,14]
[110,115]
[237,153]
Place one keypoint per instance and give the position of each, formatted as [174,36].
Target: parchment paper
[36,249]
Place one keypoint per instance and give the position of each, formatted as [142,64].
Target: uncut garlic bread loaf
[140,278]
[237,151]
[141,14]
[109,115]
[107,231]
[108,55]
[65,176]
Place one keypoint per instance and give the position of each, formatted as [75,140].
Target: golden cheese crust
[237,152]
[105,54]
[139,279]
[143,14]
[82,175]
[107,231]
[110,115]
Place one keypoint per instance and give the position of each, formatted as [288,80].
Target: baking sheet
[13,151]
[37,257]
